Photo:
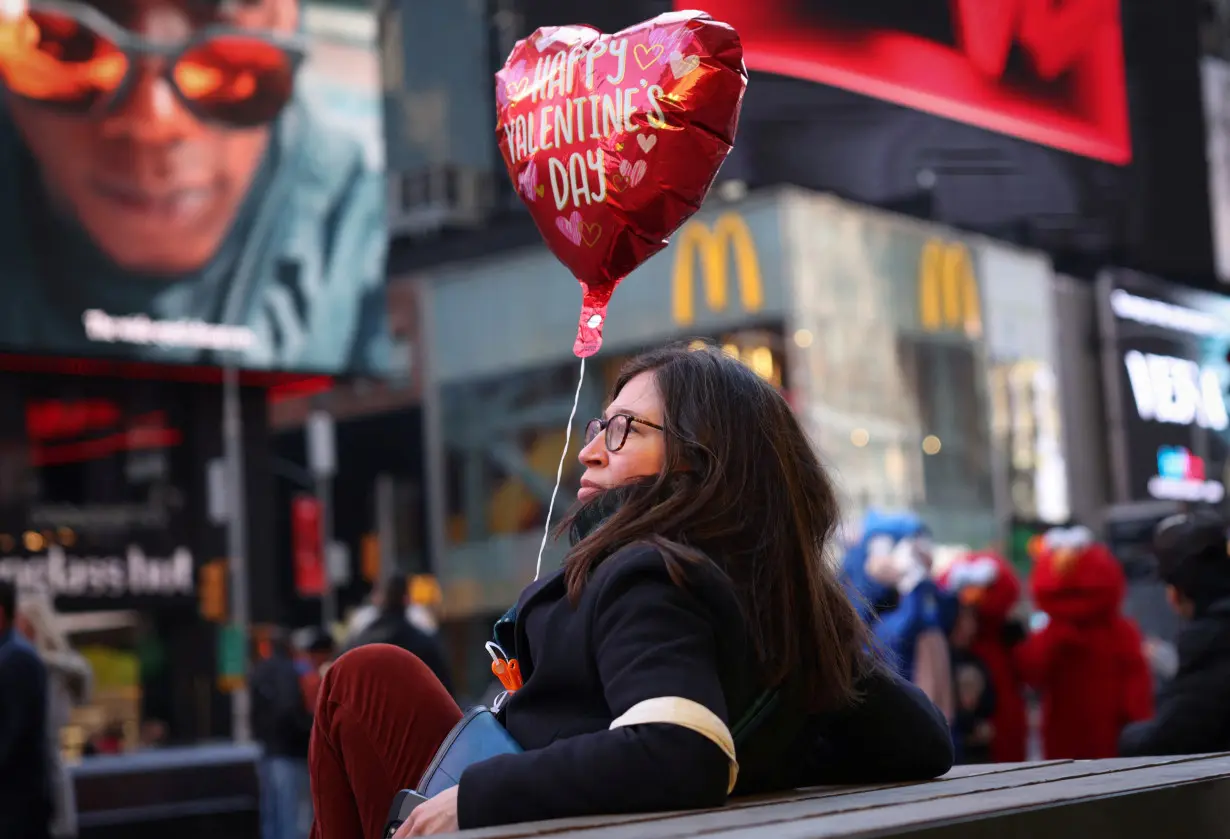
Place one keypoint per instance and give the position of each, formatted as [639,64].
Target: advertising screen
[1166,374]
[194,182]
[1051,73]
[99,505]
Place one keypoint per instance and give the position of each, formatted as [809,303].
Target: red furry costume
[988,584]
[1087,664]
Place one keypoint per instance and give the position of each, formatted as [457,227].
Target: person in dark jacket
[698,575]
[25,782]
[1193,709]
[282,724]
[393,627]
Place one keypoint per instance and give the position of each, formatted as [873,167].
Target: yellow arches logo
[730,234]
[948,290]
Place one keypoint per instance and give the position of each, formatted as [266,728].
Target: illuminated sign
[62,574]
[1164,368]
[948,290]
[309,558]
[729,233]
[1180,477]
[1159,313]
[73,431]
[1044,71]
[1174,390]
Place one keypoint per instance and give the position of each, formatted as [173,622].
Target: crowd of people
[981,649]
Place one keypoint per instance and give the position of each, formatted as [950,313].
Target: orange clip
[508,673]
[505,669]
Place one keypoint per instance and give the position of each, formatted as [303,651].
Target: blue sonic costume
[888,576]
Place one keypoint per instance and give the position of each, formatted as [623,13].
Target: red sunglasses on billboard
[73,58]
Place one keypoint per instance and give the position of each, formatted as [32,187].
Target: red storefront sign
[305,544]
[1047,71]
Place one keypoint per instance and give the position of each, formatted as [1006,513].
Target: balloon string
[559,473]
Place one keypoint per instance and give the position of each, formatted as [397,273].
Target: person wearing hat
[1193,710]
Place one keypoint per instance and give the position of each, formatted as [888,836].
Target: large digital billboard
[194,182]
[1047,72]
[1165,372]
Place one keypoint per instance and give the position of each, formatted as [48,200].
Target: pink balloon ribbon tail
[589,330]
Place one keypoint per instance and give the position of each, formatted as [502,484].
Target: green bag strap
[763,708]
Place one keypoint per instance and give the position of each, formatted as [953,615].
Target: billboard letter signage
[1047,72]
[231,210]
[948,298]
[729,235]
[1166,377]
[134,574]
[1175,390]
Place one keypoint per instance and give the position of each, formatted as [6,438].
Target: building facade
[925,362]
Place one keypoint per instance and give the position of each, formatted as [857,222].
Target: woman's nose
[593,453]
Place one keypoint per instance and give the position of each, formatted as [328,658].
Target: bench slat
[891,820]
[816,806]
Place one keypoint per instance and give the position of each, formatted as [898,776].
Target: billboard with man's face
[194,181]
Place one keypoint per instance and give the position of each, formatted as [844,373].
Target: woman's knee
[373,669]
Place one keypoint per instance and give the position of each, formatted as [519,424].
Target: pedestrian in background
[392,626]
[1193,709]
[282,724]
[69,683]
[25,783]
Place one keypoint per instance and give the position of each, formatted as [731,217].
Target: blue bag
[476,737]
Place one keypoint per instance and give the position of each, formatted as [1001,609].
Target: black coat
[633,636]
[25,782]
[1193,710]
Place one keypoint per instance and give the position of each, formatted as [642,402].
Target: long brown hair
[741,487]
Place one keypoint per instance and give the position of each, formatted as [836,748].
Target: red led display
[1047,71]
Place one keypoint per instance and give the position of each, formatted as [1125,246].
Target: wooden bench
[1124,798]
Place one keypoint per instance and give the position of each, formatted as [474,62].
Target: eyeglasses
[74,58]
[616,428]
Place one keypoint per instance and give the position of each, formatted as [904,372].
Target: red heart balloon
[612,141]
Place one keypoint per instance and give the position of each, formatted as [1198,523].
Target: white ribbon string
[559,473]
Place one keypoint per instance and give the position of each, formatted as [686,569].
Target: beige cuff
[675,710]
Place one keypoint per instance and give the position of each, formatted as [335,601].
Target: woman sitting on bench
[698,584]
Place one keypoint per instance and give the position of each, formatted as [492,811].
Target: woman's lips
[588,490]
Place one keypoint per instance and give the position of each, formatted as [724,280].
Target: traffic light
[213,593]
[370,550]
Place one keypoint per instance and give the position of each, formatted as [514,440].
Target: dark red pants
[380,717]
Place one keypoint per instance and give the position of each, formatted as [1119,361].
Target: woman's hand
[435,815]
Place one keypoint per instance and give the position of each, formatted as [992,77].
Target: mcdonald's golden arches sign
[948,298]
[729,236]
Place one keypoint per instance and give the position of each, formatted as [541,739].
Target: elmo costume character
[1087,662]
[987,584]
[889,572]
